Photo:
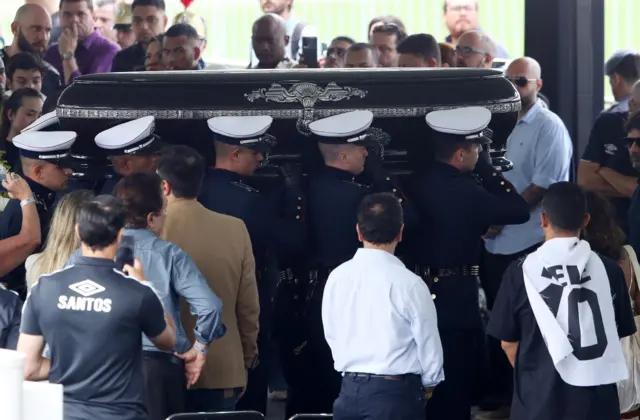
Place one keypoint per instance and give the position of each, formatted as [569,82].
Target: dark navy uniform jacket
[271,235]
[456,211]
[11,224]
[334,198]
[10,317]
[93,317]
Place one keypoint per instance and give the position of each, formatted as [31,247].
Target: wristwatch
[67,55]
[201,348]
[27,201]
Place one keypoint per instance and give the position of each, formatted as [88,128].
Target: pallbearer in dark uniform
[132,147]
[456,209]
[241,144]
[44,157]
[334,197]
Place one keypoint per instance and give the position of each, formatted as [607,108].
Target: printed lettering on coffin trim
[87,288]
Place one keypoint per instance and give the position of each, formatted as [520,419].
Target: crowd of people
[170,287]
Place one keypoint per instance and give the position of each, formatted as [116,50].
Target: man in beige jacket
[221,248]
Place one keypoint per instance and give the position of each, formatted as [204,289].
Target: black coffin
[181,102]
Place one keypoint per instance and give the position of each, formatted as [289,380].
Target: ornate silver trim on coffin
[307,94]
[70,112]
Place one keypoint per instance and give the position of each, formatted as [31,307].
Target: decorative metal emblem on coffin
[307,94]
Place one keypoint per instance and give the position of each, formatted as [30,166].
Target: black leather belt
[159,355]
[387,377]
[463,270]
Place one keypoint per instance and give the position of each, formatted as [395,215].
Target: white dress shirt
[379,318]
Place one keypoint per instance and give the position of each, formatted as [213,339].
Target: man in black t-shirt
[605,166]
[93,316]
[542,391]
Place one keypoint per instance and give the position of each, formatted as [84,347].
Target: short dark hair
[100,220]
[447,54]
[182,29]
[380,218]
[423,46]
[346,39]
[363,46]
[141,195]
[565,204]
[89,3]
[183,168]
[391,29]
[633,122]
[444,147]
[158,4]
[24,61]
[629,68]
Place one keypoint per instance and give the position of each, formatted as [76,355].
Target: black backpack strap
[295,40]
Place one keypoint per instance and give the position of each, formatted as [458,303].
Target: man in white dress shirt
[380,322]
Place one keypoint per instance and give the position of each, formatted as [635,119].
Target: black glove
[485,156]
[292,174]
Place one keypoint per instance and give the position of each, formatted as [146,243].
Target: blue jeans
[212,400]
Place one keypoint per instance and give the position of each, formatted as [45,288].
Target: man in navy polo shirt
[93,316]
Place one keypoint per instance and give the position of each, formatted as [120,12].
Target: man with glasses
[461,16]
[632,128]
[475,49]
[149,21]
[541,151]
[605,166]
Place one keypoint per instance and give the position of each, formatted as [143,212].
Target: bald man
[605,166]
[475,49]
[269,39]
[541,150]
[31,28]
[53,8]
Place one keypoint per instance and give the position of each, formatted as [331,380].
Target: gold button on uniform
[508,189]
[399,200]
[299,198]
[501,182]
[433,297]
[394,190]
[297,217]
[435,279]
[495,174]
[388,179]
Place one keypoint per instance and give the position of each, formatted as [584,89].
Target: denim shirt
[173,274]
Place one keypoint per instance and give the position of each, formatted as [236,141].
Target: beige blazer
[221,248]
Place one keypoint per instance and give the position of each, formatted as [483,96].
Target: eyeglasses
[520,81]
[632,141]
[458,9]
[469,51]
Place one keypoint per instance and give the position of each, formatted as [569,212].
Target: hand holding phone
[310,51]
[125,253]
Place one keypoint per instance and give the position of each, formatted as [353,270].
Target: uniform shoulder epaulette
[244,186]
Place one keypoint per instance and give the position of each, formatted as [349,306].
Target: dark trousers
[367,397]
[255,398]
[212,400]
[499,383]
[463,351]
[165,383]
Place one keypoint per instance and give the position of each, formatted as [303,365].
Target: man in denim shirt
[172,274]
